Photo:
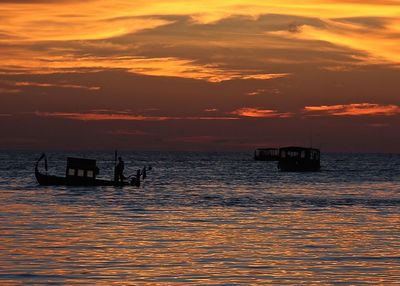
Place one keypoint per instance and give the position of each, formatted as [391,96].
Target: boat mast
[115,165]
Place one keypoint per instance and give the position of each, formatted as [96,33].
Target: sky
[200,75]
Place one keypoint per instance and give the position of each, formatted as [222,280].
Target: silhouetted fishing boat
[299,159]
[82,172]
[266,154]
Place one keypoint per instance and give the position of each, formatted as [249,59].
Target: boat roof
[81,163]
[297,148]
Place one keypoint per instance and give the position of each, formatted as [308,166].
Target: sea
[202,219]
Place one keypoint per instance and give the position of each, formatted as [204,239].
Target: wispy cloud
[256,92]
[262,76]
[378,43]
[99,116]
[355,109]
[262,91]
[60,85]
[125,132]
[91,116]
[9,90]
[379,125]
[172,67]
[260,113]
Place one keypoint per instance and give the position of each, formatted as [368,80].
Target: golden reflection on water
[193,246]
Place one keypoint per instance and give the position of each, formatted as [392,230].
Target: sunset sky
[200,75]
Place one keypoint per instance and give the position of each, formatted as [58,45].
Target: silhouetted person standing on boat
[119,171]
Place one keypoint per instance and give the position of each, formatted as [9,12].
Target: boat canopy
[300,152]
[84,168]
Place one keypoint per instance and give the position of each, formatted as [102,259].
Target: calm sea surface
[203,219]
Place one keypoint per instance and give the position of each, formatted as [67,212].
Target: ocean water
[203,219]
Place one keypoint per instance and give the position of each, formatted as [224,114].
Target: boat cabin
[266,154]
[299,159]
[81,169]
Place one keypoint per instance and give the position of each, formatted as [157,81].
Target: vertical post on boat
[144,173]
[45,162]
[115,166]
[138,178]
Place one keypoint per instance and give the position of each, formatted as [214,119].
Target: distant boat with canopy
[266,154]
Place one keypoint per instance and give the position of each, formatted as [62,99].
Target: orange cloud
[92,24]
[355,109]
[72,20]
[99,116]
[260,113]
[256,92]
[74,86]
[121,116]
[9,90]
[381,45]
[170,66]
[274,91]
[263,76]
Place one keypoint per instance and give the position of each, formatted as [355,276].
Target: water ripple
[204,219]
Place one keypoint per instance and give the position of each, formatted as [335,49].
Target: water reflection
[203,229]
[187,246]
